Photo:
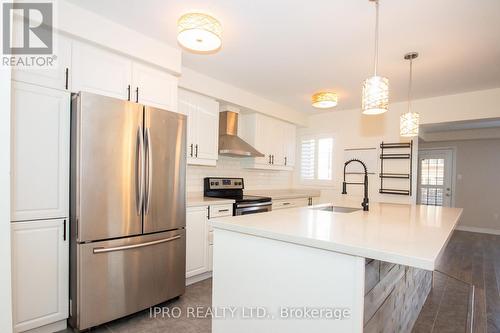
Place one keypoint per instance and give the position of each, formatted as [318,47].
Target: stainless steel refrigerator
[128,214]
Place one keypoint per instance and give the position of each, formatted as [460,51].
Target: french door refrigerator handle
[134,246]
[139,171]
[149,169]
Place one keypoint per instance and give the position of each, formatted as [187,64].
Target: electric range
[232,188]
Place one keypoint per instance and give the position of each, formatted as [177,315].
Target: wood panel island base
[313,270]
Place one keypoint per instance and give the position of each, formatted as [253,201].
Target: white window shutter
[307,161]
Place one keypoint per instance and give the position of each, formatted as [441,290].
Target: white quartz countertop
[197,199]
[410,235]
[285,193]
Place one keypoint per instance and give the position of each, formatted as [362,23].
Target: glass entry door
[435,177]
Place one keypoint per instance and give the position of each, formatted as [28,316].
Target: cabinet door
[264,139]
[154,87]
[39,273]
[207,144]
[290,144]
[279,147]
[196,241]
[202,127]
[101,72]
[187,106]
[50,77]
[40,152]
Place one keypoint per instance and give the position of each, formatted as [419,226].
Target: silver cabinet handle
[134,246]
[196,150]
[223,210]
[139,182]
[286,203]
[149,169]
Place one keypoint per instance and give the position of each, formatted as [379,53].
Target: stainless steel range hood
[230,144]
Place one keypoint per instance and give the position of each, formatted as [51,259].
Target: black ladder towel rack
[384,157]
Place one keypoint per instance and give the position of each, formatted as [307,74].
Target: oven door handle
[268,203]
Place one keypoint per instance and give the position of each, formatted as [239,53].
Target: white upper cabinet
[154,87]
[203,127]
[39,273]
[196,241]
[273,138]
[290,141]
[101,72]
[106,73]
[57,77]
[40,152]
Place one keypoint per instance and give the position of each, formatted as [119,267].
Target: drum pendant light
[409,121]
[375,98]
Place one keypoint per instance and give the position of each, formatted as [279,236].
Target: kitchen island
[325,269]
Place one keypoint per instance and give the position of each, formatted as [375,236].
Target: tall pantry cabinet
[39,205]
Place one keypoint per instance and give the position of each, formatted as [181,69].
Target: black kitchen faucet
[365,183]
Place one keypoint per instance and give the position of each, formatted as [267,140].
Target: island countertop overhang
[410,235]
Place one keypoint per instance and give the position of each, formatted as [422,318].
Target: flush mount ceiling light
[409,121]
[375,98]
[324,100]
[199,33]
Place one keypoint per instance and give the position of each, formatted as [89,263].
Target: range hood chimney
[230,144]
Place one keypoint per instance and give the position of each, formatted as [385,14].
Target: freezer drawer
[119,277]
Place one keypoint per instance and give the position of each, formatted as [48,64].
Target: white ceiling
[285,50]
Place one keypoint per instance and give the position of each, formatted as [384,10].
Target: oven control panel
[224,183]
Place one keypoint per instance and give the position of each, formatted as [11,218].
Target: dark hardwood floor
[475,259]
[471,257]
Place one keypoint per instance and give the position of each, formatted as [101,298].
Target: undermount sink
[338,209]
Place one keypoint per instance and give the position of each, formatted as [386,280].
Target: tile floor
[470,257]
[198,296]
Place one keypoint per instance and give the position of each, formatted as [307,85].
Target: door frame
[453,150]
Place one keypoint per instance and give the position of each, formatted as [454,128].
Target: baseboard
[198,278]
[49,328]
[480,230]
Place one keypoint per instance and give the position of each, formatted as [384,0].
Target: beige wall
[203,84]
[477,181]
[351,129]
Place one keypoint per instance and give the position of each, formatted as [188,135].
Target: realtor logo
[36,29]
[28,38]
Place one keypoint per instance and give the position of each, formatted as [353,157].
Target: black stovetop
[230,188]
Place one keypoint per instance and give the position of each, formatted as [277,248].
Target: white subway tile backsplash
[231,167]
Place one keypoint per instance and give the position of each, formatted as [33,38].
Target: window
[316,159]
[432,181]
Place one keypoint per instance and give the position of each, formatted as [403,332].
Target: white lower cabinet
[40,271]
[295,202]
[199,238]
[196,240]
